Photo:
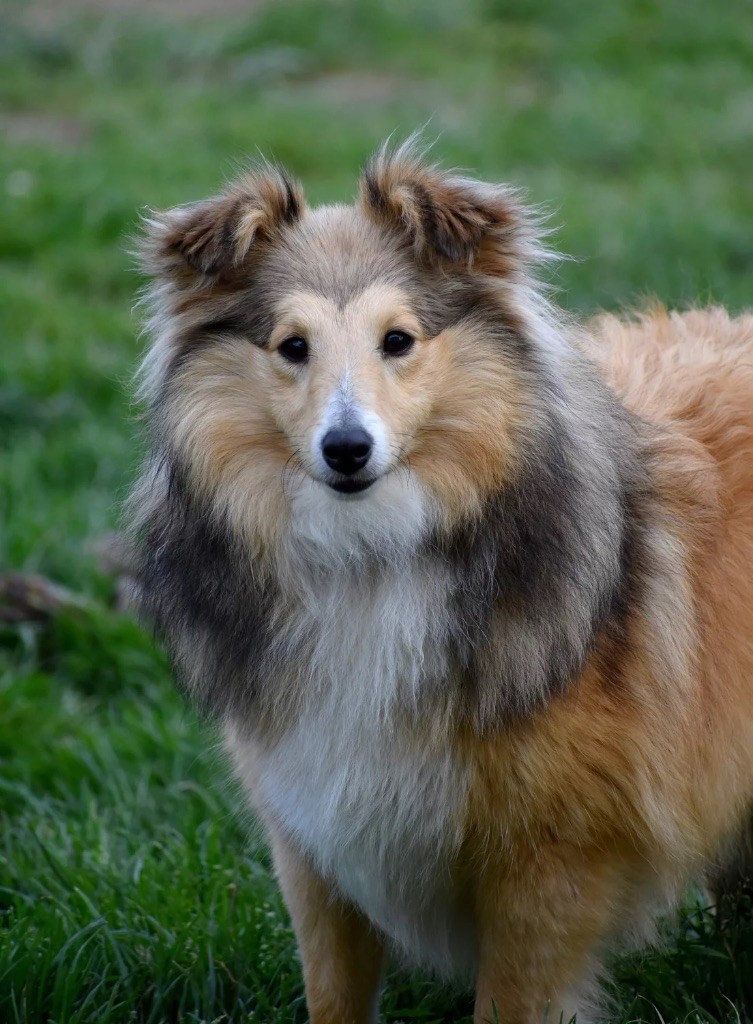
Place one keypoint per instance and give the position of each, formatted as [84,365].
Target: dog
[467,586]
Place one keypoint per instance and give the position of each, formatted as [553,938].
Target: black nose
[346,451]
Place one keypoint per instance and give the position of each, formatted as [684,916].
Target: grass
[130,887]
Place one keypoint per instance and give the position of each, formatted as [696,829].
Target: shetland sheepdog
[467,586]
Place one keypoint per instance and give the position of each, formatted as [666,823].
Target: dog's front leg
[540,931]
[342,954]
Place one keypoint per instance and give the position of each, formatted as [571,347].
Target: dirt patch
[49,13]
[355,87]
[59,132]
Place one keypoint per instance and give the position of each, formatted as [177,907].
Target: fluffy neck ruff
[491,617]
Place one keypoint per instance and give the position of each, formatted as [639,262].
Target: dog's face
[349,383]
[346,356]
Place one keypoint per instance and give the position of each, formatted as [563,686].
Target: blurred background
[130,887]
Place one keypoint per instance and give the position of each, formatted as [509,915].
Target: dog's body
[493,699]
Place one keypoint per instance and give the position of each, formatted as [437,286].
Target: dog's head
[350,360]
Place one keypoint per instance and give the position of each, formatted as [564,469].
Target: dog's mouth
[348,486]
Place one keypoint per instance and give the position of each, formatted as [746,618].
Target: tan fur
[219,411]
[342,954]
[477,404]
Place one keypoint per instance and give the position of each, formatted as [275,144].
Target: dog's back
[692,374]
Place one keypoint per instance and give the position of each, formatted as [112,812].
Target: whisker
[292,464]
[406,465]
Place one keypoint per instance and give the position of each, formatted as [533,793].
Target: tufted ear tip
[446,216]
[213,237]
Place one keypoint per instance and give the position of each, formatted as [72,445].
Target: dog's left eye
[295,350]
[396,343]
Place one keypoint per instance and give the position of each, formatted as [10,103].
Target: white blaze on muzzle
[344,414]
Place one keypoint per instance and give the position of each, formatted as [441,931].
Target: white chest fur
[365,780]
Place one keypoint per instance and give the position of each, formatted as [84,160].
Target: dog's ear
[446,216]
[213,238]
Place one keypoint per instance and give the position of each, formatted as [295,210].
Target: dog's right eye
[397,343]
[295,350]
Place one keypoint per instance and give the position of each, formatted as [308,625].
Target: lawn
[132,888]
